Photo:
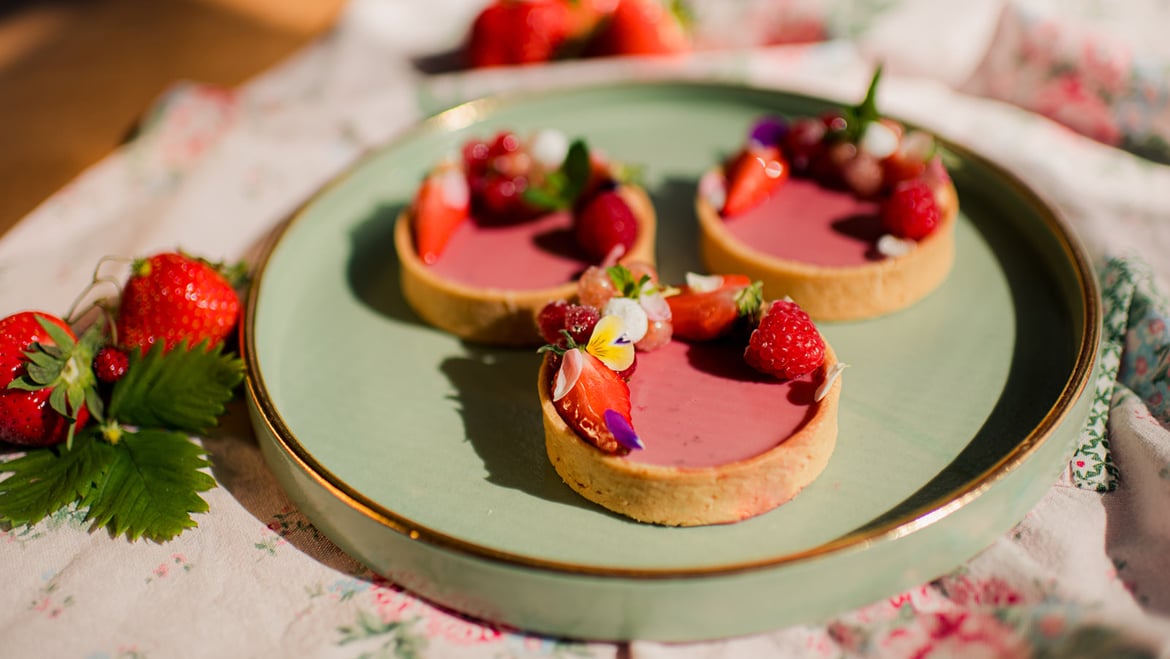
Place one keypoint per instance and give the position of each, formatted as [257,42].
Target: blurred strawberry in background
[640,27]
[519,32]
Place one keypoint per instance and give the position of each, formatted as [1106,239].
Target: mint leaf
[577,169]
[624,282]
[151,486]
[181,389]
[560,188]
[45,480]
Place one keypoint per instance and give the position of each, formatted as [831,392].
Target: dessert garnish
[508,180]
[595,341]
[855,150]
[105,420]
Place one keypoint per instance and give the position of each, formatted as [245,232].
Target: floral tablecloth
[1074,97]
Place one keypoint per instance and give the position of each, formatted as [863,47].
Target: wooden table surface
[77,75]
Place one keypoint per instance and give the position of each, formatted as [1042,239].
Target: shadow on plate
[1041,359]
[372,270]
[677,243]
[497,398]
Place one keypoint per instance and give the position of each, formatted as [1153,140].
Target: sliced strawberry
[639,27]
[702,315]
[443,202]
[753,175]
[604,222]
[595,401]
[511,32]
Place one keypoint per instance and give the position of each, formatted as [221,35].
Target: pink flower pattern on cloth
[1098,83]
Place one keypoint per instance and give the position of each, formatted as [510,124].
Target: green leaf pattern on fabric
[1135,352]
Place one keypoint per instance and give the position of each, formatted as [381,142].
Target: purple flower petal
[622,430]
[768,131]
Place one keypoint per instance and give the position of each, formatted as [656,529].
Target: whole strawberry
[640,27]
[170,298]
[40,356]
[786,344]
[512,32]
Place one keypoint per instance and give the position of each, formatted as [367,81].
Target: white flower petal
[703,283]
[879,140]
[568,373]
[654,303]
[891,245]
[549,147]
[633,317]
[830,378]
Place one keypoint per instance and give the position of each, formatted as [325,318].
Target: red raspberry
[786,343]
[605,221]
[551,320]
[110,364]
[580,321]
[911,210]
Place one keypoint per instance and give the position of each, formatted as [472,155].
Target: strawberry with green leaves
[109,426]
[172,298]
[711,306]
[48,385]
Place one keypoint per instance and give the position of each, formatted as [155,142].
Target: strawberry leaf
[151,486]
[180,389]
[44,481]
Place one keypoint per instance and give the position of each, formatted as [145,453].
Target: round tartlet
[834,293]
[499,316]
[694,496]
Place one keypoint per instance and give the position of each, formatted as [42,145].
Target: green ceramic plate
[423,456]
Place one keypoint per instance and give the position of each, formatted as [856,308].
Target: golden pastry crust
[838,293]
[681,496]
[494,316]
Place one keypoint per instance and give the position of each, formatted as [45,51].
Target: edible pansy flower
[633,315]
[622,430]
[609,343]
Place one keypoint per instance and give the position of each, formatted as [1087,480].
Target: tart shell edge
[493,316]
[678,496]
[838,293]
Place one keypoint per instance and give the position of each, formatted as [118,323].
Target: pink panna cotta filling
[701,405]
[803,221]
[527,255]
